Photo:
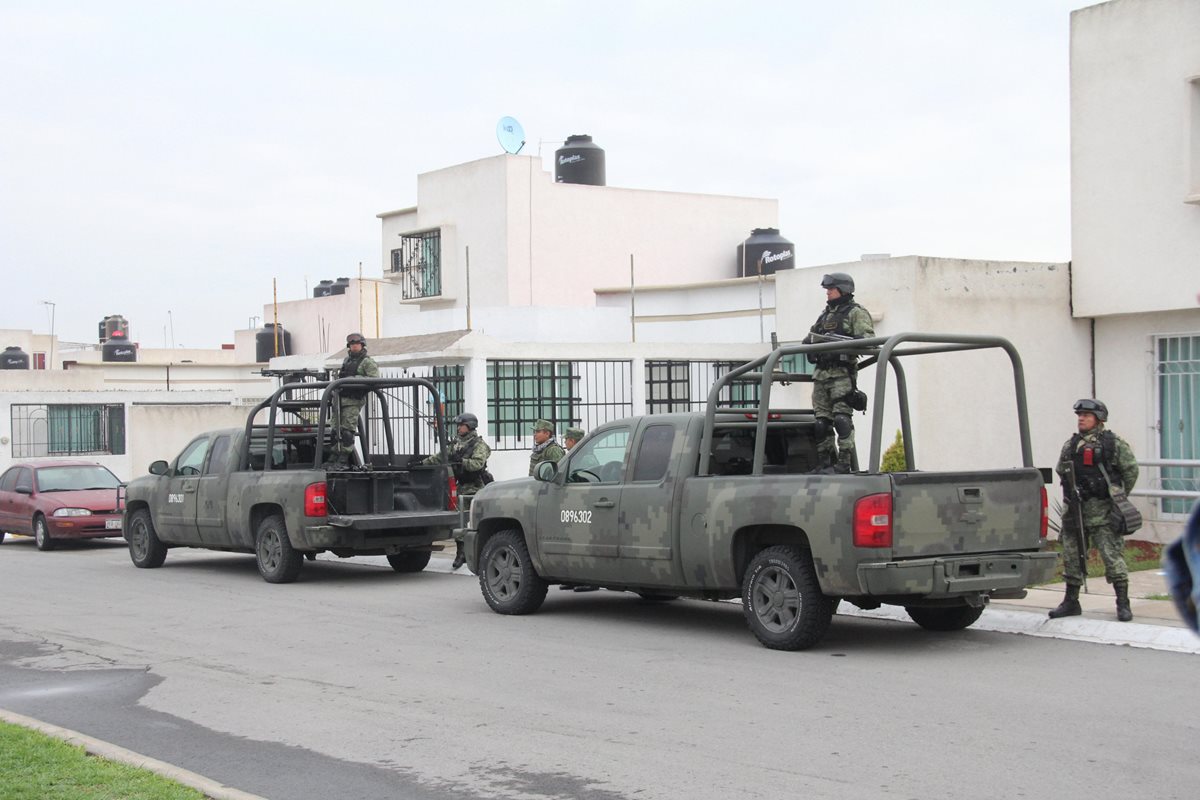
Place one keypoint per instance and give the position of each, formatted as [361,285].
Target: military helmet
[543,425]
[1093,406]
[840,281]
[468,419]
[356,338]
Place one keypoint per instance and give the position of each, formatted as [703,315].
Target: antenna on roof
[511,135]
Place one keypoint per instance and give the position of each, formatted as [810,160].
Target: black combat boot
[460,557]
[1124,614]
[1069,607]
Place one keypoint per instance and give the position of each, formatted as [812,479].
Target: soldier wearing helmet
[835,379]
[350,400]
[545,448]
[1092,463]
[468,456]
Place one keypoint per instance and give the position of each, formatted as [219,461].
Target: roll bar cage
[880,350]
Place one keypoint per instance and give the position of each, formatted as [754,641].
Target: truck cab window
[654,453]
[601,460]
[192,458]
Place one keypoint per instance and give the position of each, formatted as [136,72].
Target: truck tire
[41,534]
[410,560]
[782,600]
[277,561]
[945,618]
[146,550]
[506,575]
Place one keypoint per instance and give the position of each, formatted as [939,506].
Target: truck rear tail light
[1045,515]
[314,500]
[771,416]
[453,487]
[873,520]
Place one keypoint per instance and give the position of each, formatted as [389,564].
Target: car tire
[782,599]
[410,560]
[1,537]
[945,618]
[41,534]
[278,561]
[146,550]
[509,583]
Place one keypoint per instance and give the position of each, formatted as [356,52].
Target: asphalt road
[357,682]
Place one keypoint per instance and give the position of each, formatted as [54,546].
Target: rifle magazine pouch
[857,400]
[1124,518]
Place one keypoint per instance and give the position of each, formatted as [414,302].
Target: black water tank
[14,358]
[117,348]
[340,286]
[579,161]
[323,289]
[264,343]
[765,245]
[112,323]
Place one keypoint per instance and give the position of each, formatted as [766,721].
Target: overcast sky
[176,156]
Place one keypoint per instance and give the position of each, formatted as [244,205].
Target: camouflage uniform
[833,380]
[548,450]
[351,401]
[1122,469]
[469,455]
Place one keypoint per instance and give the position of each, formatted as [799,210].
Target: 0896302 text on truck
[732,503]
[268,488]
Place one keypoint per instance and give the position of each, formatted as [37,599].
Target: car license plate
[112,524]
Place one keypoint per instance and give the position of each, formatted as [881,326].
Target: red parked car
[52,500]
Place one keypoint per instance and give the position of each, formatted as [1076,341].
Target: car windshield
[67,479]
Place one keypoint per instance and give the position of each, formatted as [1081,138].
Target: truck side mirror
[158,467]
[546,471]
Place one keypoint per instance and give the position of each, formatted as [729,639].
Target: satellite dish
[511,135]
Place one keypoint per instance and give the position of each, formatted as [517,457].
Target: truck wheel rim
[138,539]
[504,573]
[776,600]
[268,549]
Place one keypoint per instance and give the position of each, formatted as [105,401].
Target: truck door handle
[189,487]
[603,503]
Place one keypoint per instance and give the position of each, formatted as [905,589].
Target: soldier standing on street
[544,446]
[835,378]
[571,437]
[1091,460]
[469,457]
[350,402]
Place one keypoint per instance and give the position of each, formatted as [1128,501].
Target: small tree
[893,457]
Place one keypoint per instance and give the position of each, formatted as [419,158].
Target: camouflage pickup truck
[728,503]
[263,489]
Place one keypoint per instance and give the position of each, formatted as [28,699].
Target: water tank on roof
[117,348]
[323,289]
[111,323]
[579,160]
[14,358]
[267,344]
[767,250]
[340,286]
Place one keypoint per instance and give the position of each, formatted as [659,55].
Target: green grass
[1138,556]
[1159,597]
[34,766]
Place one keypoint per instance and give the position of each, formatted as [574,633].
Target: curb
[111,752]
[1078,629]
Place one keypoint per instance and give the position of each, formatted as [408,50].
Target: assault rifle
[1075,499]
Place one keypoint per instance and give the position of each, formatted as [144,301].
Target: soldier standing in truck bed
[835,379]
[357,364]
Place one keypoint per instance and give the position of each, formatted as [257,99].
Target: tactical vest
[1086,461]
[349,370]
[462,451]
[834,320]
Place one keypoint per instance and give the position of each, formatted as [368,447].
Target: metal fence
[675,386]
[1173,481]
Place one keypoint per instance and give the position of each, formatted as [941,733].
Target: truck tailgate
[946,513]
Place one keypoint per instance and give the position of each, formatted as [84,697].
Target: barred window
[448,380]
[1178,367]
[418,263]
[67,430]
[677,386]
[522,392]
